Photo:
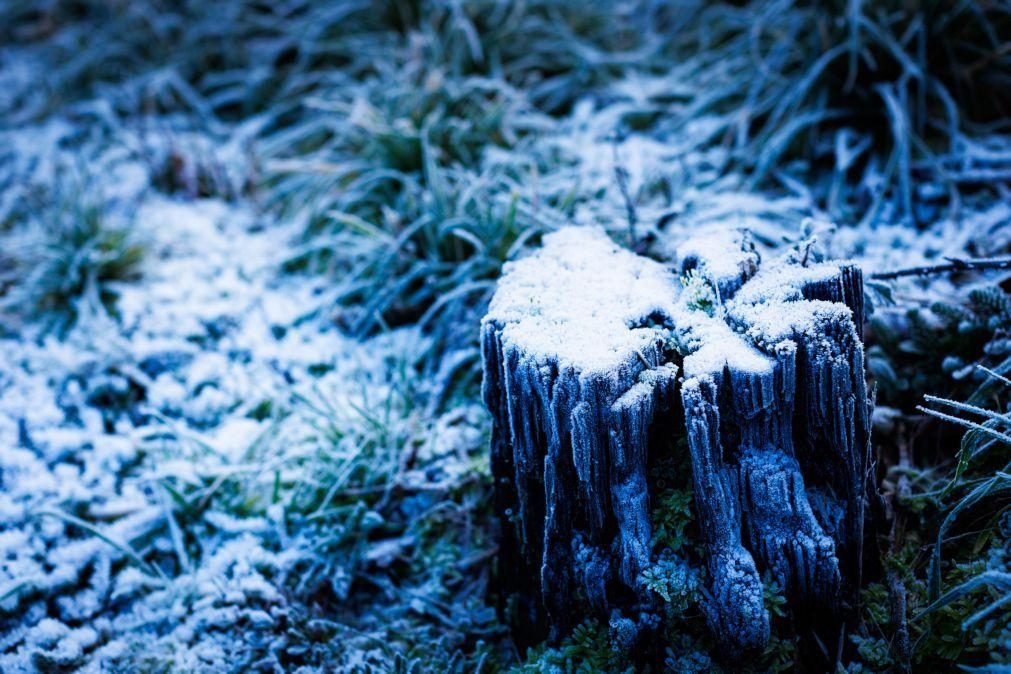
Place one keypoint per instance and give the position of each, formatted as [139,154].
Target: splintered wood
[599,364]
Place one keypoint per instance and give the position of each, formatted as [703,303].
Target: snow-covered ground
[217,375]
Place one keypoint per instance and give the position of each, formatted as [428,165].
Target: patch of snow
[723,256]
[581,301]
[712,346]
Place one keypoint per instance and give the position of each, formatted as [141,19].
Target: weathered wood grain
[597,360]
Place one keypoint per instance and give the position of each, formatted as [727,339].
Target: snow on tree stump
[597,361]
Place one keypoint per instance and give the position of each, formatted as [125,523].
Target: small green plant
[939,348]
[672,516]
[674,580]
[701,293]
[586,650]
[772,596]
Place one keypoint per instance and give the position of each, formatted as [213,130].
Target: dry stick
[621,176]
[955,264]
[896,589]
[897,615]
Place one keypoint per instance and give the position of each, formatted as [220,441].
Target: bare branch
[954,265]
[621,176]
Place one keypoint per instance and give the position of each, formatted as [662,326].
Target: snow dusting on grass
[164,468]
[245,249]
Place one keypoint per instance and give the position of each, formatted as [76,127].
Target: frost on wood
[597,362]
[575,376]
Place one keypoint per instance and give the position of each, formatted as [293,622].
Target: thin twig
[621,176]
[954,265]
[897,613]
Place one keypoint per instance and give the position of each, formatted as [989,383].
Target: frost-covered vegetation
[244,252]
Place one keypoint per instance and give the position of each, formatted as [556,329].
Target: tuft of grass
[951,562]
[441,255]
[380,554]
[869,106]
[874,98]
[66,259]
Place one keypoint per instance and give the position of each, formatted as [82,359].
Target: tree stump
[598,363]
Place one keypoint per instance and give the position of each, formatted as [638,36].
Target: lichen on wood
[597,362]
